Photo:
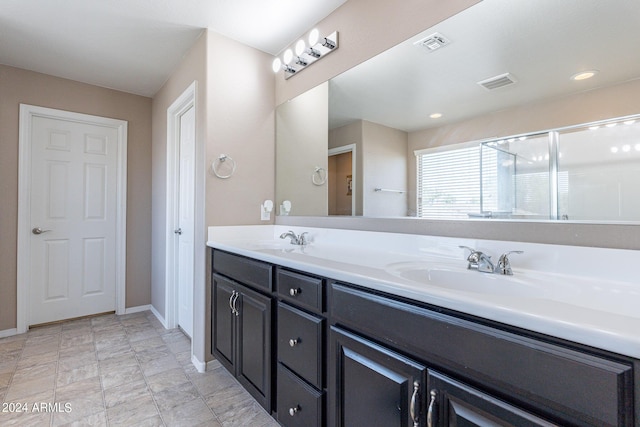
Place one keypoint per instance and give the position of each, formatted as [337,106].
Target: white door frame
[183,103]
[346,149]
[27,113]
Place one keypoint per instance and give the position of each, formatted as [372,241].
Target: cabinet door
[254,344]
[452,403]
[223,322]
[373,385]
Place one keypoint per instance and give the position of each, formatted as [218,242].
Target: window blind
[448,183]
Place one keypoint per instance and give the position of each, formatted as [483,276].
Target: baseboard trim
[8,333]
[200,366]
[158,316]
[138,309]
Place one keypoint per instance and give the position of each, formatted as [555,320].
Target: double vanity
[357,328]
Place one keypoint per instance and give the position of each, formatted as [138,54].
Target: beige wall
[234,116]
[365,29]
[192,68]
[384,166]
[302,129]
[241,124]
[22,86]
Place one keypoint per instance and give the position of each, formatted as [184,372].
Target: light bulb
[288,56]
[300,47]
[314,35]
[277,65]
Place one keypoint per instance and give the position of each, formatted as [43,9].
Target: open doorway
[341,180]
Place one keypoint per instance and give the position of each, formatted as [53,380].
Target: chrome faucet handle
[478,260]
[504,265]
[302,239]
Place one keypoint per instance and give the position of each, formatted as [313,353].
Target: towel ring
[219,163]
[319,176]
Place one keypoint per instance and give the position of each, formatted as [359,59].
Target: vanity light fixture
[318,48]
[584,75]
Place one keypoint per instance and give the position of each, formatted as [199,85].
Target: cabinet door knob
[294,410]
[294,342]
[294,291]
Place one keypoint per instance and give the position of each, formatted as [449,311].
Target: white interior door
[73,219]
[186,218]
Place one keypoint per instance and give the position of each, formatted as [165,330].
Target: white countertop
[586,295]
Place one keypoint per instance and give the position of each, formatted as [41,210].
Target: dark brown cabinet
[452,403]
[241,335]
[301,349]
[372,385]
[320,353]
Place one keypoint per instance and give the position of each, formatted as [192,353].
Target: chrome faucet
[482,262]
[295,239]
[479,261]
[504,265]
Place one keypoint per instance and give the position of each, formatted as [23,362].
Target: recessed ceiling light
[436,115]
[583,75]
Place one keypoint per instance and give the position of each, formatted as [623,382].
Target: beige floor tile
[166,379]
[175,396]
[34,371]
[94,420]
[162,364]
[188,414]
[70,376]
[25,419]
[123,393]
[74,361]
[119,371]
[132,412]
[124,375]
[26,389]
[81,405]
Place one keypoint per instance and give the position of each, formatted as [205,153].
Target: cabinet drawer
[300,345]
[300,289]
[298,403]
[244,270]
[581,388]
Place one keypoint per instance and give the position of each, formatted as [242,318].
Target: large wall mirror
[485,115]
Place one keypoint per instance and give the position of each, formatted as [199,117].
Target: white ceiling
[541,42]
[134,45]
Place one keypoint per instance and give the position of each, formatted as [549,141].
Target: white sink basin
[458,278]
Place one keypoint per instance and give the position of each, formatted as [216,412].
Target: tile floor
[116,371]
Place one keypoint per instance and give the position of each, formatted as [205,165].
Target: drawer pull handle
[294,342]
[432,405]
[294,410]
[294,291]
[413,406]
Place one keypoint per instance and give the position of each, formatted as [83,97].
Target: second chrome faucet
[482,262]
[295,239]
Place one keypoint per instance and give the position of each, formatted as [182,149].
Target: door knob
[178,231]
[38,230]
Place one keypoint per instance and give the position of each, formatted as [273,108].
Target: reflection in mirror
[384,107]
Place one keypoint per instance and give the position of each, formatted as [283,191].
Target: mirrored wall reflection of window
[583,173]
[599,168]
[448,183]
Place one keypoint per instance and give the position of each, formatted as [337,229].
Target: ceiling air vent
[496,82]
[433,42]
